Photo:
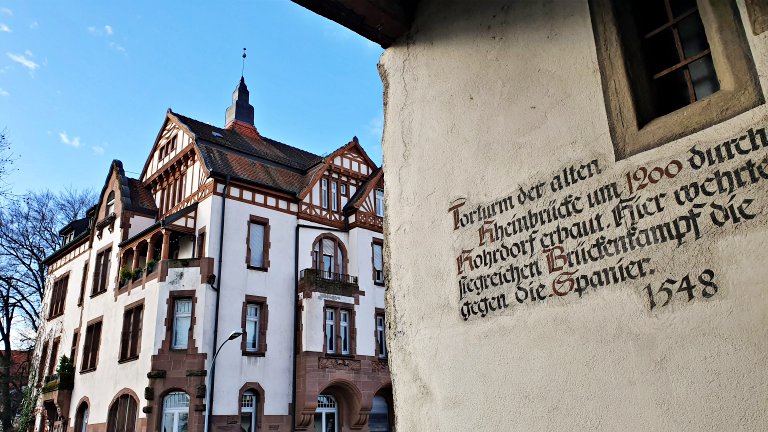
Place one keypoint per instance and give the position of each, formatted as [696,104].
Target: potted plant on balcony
[126,274]
[66,372]
[150,267]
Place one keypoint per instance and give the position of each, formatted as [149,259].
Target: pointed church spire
[240,110]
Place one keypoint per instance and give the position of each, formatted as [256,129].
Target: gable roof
[356,200]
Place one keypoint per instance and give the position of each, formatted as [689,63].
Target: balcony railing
[316,280]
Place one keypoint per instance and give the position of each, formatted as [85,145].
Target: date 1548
[706,287]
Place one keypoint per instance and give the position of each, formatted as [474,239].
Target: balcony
[314,280]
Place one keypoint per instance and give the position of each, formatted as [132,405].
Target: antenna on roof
[242,71]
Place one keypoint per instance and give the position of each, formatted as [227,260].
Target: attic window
[110,204]
[216,134]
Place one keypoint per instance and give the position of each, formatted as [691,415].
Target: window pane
[704,78]
[679,7]
[246,421]
[168,422]
[256,245]
[334,197]
[183,421]
[671,92]
[379,202]
[318,422]
[378,262]
[692,36]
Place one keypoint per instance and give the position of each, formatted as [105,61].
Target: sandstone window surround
[255,317]
[257,243]
[130,336]
[639,118]
[377,258]
[91,346]
[101,272]
[339,329]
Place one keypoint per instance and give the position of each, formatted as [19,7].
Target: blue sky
[85,82]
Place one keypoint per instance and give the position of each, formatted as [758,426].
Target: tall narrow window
[379,203]
[175,412]
[110,204]
[248,410]
[252,316]
[122,415]
[378,263]
[130,340]
[330,331]
[334,196]
[101,272]
[324,192]
[73,349]
[58,297]
[201,245]
[83,282]
[91,347]
[41,363]
[328,257]
[344,333]
[182,320]
[81,418]
[53,362]
[257,254]
[381,339]
[326,414]
[378,421]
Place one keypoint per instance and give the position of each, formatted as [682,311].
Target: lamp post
[232,336]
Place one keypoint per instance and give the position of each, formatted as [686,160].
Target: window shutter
[95,344]
[97,273]
[135,340]
[125,335]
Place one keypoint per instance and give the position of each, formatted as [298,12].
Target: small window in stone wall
[182,321]
[670,68]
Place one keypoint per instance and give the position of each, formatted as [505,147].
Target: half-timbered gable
[366,206]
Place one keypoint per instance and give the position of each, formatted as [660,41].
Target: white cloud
[92,30]
[73,142]
[116,47]
[98,150]
[29,53]
[376,126]
[4,28]
[24,61]
[108,30]
[3,92]
[6,11]
[34,25]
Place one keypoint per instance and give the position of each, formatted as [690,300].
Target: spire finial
[242,71]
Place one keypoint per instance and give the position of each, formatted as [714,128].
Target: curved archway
[123,412]
[348,400]
[81,416]
[175,417]
[251,406]
[329,256]
[382,417]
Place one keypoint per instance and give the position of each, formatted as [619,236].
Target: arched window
[110,204]
[378,421]
[122,415]
[81,418]
[249,405]
[175,412]
[328,257]
[326,414]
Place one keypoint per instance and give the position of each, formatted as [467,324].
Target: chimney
[240,110]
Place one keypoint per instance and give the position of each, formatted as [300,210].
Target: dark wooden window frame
[258,220]
[89,345]
[263,322]
[739,91]
[113,422]
[73,348]
[83,283]
[53,361]
[200,243]
[42,362]
[131,332]
[338,307]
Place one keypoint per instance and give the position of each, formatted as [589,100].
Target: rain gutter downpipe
[209,409]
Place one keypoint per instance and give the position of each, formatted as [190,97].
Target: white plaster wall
[272,372]
[507,93]
[139,224]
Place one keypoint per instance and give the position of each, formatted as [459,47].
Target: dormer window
[110,204]
[68,238]
[379,203]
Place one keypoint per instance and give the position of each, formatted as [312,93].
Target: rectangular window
[101,272]
[381,340]
[334,196]
[379,204]
[201,245]
[58,297]
[378,262]
[324,192]
[252,312]
[53,362]
[257,254]
[659,58]
[343,189]
[182,321]
[344,332]
[130,338]
[73,349]
[41,364]
[91,347]
[83,281]
[339,329]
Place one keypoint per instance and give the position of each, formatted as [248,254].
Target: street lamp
[232,336]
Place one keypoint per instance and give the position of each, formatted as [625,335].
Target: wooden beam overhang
[381,21]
